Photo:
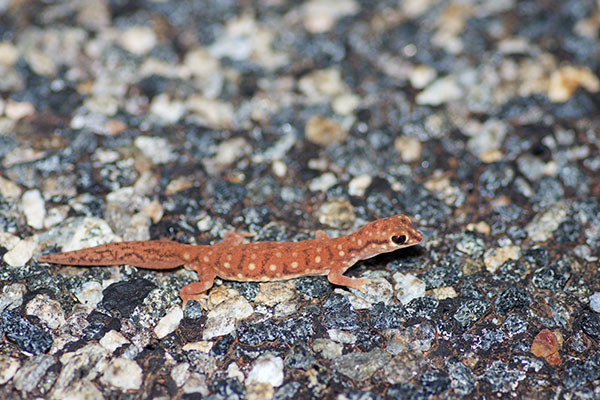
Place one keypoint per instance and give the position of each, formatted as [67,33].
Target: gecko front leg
[337,277]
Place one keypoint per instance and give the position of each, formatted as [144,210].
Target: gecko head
[386,235]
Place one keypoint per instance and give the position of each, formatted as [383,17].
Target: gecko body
[233,259]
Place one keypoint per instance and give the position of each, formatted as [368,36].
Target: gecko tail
[150,254]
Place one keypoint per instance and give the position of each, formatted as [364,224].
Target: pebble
[594,302]
[358,185]
[112,340]
[268,368]
[78,233]
[34,208]
[495,257]
[546,345]
[180,373]
[273,293]
[196,383]
[408,287]
[138,40]
[341,336]
[320,16]
[409,148]
[442,90]
[322,85]
[28,376]
[488,137]
[345,104]
[9,54]
[12,296]
[361,366]
[156,149]
[21,252]
[123,374]
[8,368]
[323,131]
[565,81]
[327,348]
[403,367]
[47,310]
[168,110]
[169,322]
[337,214]
[56,215]
[16,110]
[228,152]
[323,183]
[377,290]
[90,293]
[544,223]
[9,189]
[421,75]
[222,319]
[82,365]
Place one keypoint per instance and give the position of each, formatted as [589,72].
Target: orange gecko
[233,259]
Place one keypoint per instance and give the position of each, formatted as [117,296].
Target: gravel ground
[181,120]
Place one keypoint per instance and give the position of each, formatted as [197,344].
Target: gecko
[234,259]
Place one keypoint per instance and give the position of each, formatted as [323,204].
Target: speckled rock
[47,310]
[8,367]
[169,322]
[24,334]
[360,366]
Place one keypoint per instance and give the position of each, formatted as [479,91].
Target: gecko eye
[399,239]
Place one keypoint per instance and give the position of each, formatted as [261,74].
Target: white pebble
[21,253]
[123,374]
[8,367]
[33,208]
[595,302]
[169,322]
[267,369]
[440,91]
[138,40]
[90,293]
[358,185]
[112,340]
[323,183]
[156,149]
[47,310]
[408,287]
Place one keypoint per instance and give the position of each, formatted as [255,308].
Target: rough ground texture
[181,120]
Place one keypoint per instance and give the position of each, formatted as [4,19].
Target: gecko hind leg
[337,278]
[196,291]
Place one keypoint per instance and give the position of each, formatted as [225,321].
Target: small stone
[488,137]
[361,366]
[495,257]
[28,376]
[169,111]
[169,322]
[340,336]
[9,54]
[34,208]
[545,345]
[78,233]
[440,91]
[123,374]
[230,151]
[321,15]
[279,168]
[273,293]
[202,346]
[17,110]
[21,252]
[345,104]
[90,293]
[210,112]
[445,292]
[267,369]
[337,214]
[327,348]
[421,76]
[221,320]
[565,81]
[595,302]
[542,226]
[357,186]
[196,383]
[24,334]
[56,215]
[408,287]
[112,340]
[138,40]
[9,189]
[323,183]
[409,148]
[324,131]
[12,296]
[180,373]
[322,85]
[156,149]
[47,310]
[8,367]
